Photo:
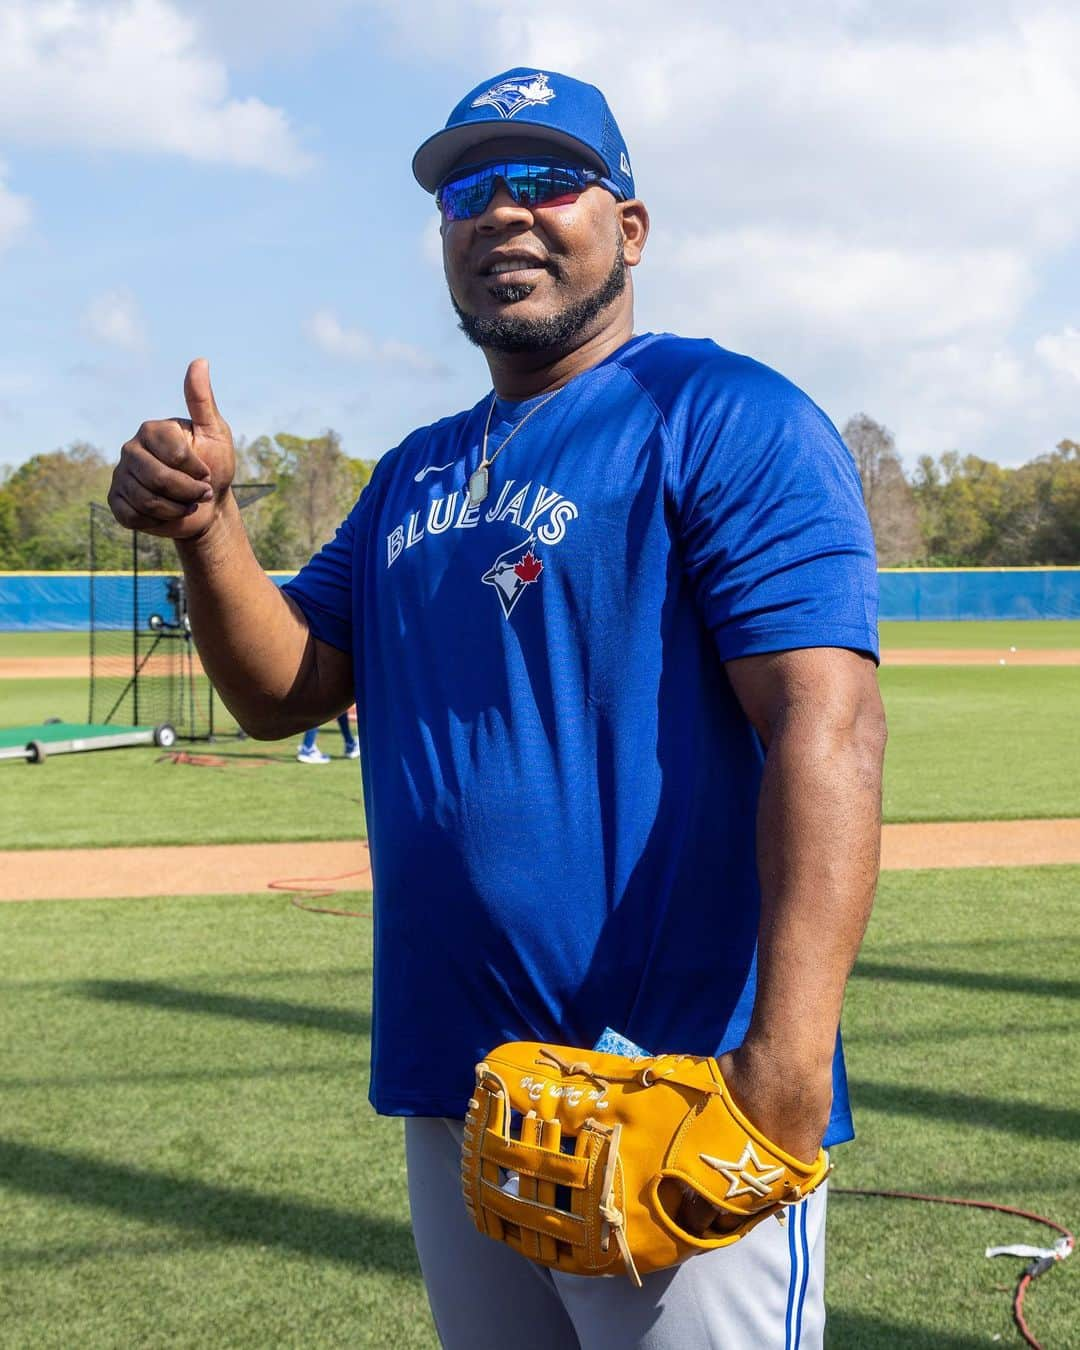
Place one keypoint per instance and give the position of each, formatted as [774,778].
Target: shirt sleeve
[327,587]
[776,540]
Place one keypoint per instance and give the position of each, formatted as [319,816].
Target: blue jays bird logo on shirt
[510,96]
[513,572]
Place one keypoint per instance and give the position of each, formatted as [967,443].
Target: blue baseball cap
[569,116]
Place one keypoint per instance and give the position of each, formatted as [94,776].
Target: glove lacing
[573,1068]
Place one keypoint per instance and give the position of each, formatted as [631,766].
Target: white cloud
[129,75]
[113,318]
[835,289]
[328,333]
[14,213]
[1061,352]
[871,197]
[966,396]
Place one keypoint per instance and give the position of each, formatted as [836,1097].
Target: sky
[879,200]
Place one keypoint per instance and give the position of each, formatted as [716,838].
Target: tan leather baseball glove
[582,1160]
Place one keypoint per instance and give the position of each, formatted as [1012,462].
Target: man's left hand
[787,1101]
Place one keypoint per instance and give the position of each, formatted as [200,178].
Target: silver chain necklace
[478,479]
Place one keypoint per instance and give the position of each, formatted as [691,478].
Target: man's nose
[503,212]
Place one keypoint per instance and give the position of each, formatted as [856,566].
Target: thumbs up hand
[173,475]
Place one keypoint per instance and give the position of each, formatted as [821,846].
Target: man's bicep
[834,683]
[335,678]
[323,683]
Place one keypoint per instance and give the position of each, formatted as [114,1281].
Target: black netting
[144,669]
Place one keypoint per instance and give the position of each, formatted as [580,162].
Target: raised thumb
[199,397]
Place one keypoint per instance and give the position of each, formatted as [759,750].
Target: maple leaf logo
[513,572]
[530,567]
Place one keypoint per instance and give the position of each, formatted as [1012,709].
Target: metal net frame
[144,669]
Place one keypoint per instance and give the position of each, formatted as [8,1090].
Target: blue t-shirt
[561,786]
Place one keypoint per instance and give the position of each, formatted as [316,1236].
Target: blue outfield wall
[37,602]
[42,601]
[981,593]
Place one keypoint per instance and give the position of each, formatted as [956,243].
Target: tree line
[963,511]
[952,511]
[44,505]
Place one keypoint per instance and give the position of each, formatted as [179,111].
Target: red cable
[1018,1311]
[299,884]
[1037,1268]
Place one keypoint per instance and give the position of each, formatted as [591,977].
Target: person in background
[309,752]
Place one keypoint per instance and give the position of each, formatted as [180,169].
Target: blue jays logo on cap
[510,96]
[564,116]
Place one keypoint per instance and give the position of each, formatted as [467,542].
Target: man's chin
[516,321]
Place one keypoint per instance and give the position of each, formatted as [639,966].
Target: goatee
[508,332]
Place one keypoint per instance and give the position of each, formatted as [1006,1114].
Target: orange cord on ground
[210,761]
[321,891]
[1037,1268]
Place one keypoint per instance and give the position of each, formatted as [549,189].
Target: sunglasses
[533,182]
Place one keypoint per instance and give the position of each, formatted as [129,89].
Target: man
[601,629]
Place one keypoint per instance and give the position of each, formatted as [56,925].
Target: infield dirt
[75,667]
[243,869]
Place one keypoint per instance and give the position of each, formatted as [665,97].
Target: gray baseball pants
[766,1292]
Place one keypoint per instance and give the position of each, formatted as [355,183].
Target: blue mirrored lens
[530,183]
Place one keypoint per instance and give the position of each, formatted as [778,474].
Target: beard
[510,333]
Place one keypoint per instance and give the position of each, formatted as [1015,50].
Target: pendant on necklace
[478,485]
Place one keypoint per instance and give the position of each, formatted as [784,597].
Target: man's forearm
[253,643]
[819,830]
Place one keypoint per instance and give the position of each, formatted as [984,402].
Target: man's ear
[634,223]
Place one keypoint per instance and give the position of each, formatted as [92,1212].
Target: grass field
[981,742]
[966,743]
[1029,634]
[38,645]
[129,797]
[187,1158]
[186,1153]
[1025,635]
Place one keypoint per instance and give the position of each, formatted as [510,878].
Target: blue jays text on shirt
[443,514]
[543,514]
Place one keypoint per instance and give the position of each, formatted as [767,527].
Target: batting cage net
[144,669]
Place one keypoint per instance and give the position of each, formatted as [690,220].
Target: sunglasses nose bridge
[502,200]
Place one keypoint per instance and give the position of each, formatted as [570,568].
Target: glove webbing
[613,1217]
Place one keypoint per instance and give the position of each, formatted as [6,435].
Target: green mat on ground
[59,731]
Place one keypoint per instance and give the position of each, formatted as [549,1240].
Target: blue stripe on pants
[800,1276]
[791,1282]
[805,1273]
